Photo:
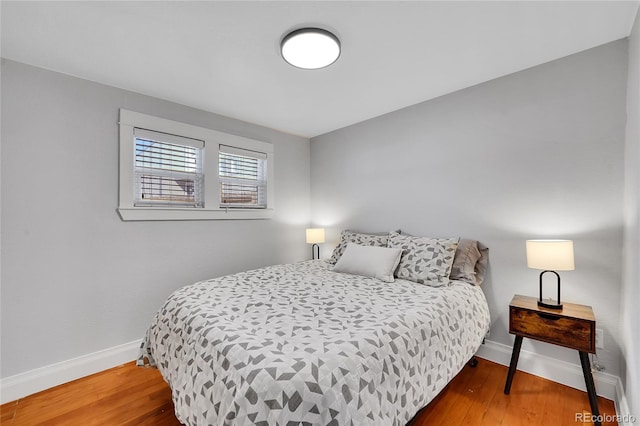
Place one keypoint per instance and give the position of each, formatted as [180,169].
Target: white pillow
[370,261]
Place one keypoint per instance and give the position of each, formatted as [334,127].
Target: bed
[302,344]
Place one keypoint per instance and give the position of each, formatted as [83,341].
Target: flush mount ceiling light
[310,48]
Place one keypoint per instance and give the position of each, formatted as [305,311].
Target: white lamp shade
[553,255]
[315,235]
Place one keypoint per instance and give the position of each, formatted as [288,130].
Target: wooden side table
[573,327]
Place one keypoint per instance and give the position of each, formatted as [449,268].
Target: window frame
[129,120]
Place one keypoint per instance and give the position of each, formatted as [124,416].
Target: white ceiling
[224,57]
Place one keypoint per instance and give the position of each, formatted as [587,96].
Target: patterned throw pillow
[424,260]
[346,237]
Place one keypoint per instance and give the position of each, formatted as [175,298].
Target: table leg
[591,387]
[514,364]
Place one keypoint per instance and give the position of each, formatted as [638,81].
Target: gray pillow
[483,262]
[425,260]
[470,262]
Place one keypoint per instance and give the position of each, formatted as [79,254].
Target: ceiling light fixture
[310,48]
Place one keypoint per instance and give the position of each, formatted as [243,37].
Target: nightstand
[573,327]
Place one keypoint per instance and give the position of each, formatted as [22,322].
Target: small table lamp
[552,256]
[315,236]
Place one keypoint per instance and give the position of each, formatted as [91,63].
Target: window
[168,170]
[243,178]
[175,171]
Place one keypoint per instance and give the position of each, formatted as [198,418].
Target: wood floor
[128,395]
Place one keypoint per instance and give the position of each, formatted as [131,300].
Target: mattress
[299,344]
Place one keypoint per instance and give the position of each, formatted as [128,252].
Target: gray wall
[75,278]
[536,154]
[631,282]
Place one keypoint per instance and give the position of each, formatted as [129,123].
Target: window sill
[155,213]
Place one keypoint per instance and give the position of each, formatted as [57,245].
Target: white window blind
[168,170]
[243,178]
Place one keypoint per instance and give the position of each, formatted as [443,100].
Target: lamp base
[550,305]
[557,306]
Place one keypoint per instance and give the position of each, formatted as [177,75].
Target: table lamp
[551,256]
[315,236]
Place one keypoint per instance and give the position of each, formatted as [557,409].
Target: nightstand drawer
[554,328]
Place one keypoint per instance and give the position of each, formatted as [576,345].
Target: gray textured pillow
[346,237]
[481,266]
[424,260]
[370,261]
[464,262]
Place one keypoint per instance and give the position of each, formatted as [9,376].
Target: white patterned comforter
[299,344]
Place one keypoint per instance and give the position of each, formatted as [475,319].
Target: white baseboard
[30,382]
[625,418]
[550,368]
